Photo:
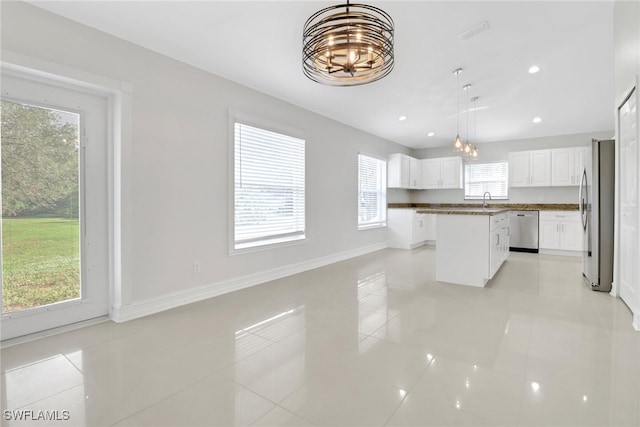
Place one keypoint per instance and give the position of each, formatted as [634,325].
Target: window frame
[383,189]
[494,197]
[266,125]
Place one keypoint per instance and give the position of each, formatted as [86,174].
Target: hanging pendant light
[474,152]
[348,45]
[457,143]
[466,147]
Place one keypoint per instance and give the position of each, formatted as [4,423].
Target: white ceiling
[258,44]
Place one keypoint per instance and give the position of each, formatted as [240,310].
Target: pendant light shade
[348,45]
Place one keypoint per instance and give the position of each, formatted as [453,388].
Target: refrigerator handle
[582,197]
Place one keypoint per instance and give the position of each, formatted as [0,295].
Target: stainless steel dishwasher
[523,231]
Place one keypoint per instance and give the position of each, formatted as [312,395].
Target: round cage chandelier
[348,45]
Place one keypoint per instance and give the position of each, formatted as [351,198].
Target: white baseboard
[176,299]
[559,252]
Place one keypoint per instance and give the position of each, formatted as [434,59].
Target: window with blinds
[269,187]
[372,192]
[491,177]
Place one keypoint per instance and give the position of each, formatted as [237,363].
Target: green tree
[39,160]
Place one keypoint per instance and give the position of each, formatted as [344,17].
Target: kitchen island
[472,243]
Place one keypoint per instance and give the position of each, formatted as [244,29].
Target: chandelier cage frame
[348,45]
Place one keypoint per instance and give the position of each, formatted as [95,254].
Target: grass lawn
[40,262]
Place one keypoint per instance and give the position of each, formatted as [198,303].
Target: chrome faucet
[484,199]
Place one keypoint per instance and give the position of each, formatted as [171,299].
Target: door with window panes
[55,209]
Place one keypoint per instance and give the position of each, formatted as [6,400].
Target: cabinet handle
[498,241]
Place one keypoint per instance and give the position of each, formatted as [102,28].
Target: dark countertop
[462,211]
[508,206]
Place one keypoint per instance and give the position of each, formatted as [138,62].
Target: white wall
[626,40]
[496,151]
[177,169]
[627,74]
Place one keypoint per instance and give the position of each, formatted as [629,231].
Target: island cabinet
[499,242]
[530,168]
[471,246]
[404,172]
[407,229]
[442,173]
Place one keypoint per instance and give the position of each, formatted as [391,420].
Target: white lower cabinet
[406,229]
[499,242]
[561,230]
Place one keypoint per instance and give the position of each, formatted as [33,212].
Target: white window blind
[269,183]
[491,177]
[372,192]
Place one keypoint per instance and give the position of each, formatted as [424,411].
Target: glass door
[54,216]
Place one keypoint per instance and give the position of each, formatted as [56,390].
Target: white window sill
[371,227]
[267,245]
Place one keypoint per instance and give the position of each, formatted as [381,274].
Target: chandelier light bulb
[458,143]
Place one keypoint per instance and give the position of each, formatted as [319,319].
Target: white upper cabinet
[415,173]
[567,165]
[430,173]
[404,172]
[444,172]
[530,168]
[519,169]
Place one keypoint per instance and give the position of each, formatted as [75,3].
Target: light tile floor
[374,340]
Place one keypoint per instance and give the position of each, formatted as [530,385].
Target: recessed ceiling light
[534,69]
[431,133]
[537,120]
[402,118]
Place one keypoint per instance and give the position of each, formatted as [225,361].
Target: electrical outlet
[196,267]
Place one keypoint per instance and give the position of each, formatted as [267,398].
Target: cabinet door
[451,172]
[398,171]
[519,169]
[562,167]
[400,228]
[418,233]
[540,168]
[495,251]
[549,234]
[571,236]
[430,173]
[504,244]
[415,173]
[579,156]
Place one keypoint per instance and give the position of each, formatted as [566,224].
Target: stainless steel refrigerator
[597,211]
